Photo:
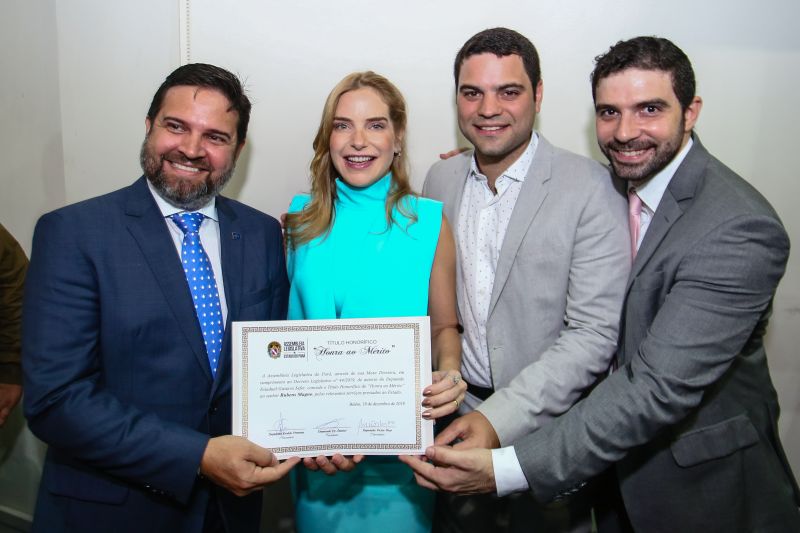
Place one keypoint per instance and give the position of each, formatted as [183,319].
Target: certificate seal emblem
[274,349]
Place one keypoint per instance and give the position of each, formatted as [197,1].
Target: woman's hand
[445,395]
[334,464]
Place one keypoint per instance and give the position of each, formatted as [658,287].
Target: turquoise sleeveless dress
[361,269]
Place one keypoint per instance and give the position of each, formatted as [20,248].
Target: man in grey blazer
[687,424]
[543,260]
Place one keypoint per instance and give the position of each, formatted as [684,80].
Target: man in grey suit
[543,260]
[687,424]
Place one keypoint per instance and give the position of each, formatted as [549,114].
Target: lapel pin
[236,236]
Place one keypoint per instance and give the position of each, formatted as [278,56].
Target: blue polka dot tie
[202,284]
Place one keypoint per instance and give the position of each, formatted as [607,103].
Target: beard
[186,194]
[664,153]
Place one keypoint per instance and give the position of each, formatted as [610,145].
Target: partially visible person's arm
[13,266]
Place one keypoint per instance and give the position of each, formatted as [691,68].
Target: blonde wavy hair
[317,216]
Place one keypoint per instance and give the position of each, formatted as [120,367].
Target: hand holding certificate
[319,387]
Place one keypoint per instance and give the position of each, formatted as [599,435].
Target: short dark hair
[648,53]
[210,77]
[501,42]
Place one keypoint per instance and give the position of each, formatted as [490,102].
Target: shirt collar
[518,169]
[167,209]
[653,189]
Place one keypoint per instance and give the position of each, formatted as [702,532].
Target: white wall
[112,57]
[30,140]
[78,77]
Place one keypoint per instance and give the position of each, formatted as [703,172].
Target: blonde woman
[362,244]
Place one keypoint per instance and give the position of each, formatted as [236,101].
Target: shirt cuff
[508,474]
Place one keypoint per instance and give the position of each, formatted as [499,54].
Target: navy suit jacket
[117,380]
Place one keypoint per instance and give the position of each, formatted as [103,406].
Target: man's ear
[538,93]
[691,113]
[147,125]
[238,150]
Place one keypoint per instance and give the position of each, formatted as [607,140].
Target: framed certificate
[318,387]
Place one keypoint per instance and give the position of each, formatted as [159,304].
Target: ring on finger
[456,402]
[456,379]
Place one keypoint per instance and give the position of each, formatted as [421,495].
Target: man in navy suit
[121,377]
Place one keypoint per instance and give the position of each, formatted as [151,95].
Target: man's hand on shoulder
[240,466]
[472,430]
[454,152]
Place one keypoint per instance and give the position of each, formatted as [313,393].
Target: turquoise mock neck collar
[374,194]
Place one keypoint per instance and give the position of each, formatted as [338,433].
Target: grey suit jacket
[558,289]
[690,417]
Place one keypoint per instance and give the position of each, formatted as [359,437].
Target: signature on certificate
[376,426]
[337,425]
[280,427]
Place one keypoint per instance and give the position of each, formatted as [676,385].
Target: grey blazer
[558,289]
[690,417]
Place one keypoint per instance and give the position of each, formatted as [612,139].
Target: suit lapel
[148,229]
[454,195]
[232,241]
[531,195]
[676,200]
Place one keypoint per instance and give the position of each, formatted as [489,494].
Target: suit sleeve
[722,289]
[65,401]
[441,176]
[598,272]
[13,265]
[427,184]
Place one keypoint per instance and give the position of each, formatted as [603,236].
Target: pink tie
[634,219]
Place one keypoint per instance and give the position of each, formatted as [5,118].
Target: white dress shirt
[508,474]
[482,224]
[209,237]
